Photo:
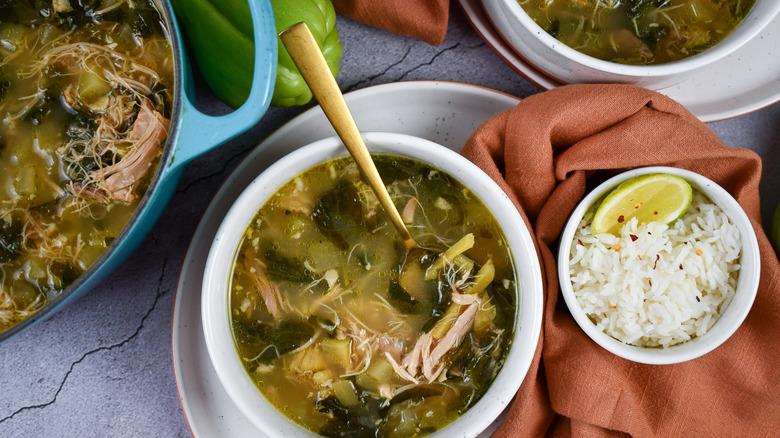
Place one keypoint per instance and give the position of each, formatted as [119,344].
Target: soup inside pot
[85,102]
[337,337]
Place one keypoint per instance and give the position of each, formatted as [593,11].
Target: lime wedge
[649,198]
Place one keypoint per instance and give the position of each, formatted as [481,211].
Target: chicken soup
[84,107]
[638,31]
[341,339]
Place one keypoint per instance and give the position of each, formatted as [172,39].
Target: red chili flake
[580,242]
[697,299]
[638,204]
[657,256]
[655,213]
[633,237]
[644,300]
[621,219]
[680,265]
[649,233]
[650,282]
[685,243]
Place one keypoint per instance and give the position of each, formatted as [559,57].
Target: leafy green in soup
[84,107]
[638,31]
[341,339]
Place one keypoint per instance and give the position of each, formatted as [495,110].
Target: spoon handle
[306,54]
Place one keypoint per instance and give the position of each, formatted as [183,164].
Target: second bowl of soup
[314,328]
[651,43]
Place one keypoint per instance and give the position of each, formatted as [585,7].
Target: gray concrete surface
[102,366]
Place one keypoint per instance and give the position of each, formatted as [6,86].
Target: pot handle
[199,133]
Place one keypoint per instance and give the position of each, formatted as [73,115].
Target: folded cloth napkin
[545,153]
[423,19]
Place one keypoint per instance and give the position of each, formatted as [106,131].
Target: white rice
[658,284]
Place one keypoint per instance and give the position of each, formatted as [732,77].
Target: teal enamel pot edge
[192,133]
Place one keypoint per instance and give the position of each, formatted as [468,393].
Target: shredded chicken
[409,209]
[41,238]
[400,370]
[432,365]
[85,55]
[386,390]
[362,353]
[296,200]
[388,344]
[148,133]
[81,190]
[428,355]
[464,299]
[368,200]
[426,364]
[9,312]
[413,360]
[267,289]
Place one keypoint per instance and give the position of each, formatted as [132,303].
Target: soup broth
[84,106]
[638,31]
[337,337]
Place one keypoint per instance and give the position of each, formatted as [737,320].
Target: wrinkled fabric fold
[546,153]
[425,20]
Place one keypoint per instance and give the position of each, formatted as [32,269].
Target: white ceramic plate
[745,81]
[443,112]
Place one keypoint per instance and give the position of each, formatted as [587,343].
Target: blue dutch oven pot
[191,134]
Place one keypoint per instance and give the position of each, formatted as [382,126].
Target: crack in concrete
[153,237]
[371,78]
[208,176]
[160,292]
[430,62]
[157,247]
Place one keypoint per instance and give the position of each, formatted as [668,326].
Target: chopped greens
[401,299]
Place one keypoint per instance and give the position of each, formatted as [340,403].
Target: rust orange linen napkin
[423,19]
[545,153]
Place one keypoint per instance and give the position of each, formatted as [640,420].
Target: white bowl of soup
[313,327]
[654,292]
[650,43]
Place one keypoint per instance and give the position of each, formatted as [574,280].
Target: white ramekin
[733,315]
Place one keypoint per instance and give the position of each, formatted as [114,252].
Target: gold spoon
[306,54]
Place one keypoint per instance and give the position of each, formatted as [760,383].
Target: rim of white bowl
[758,20]
[216,325]
[732,317]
